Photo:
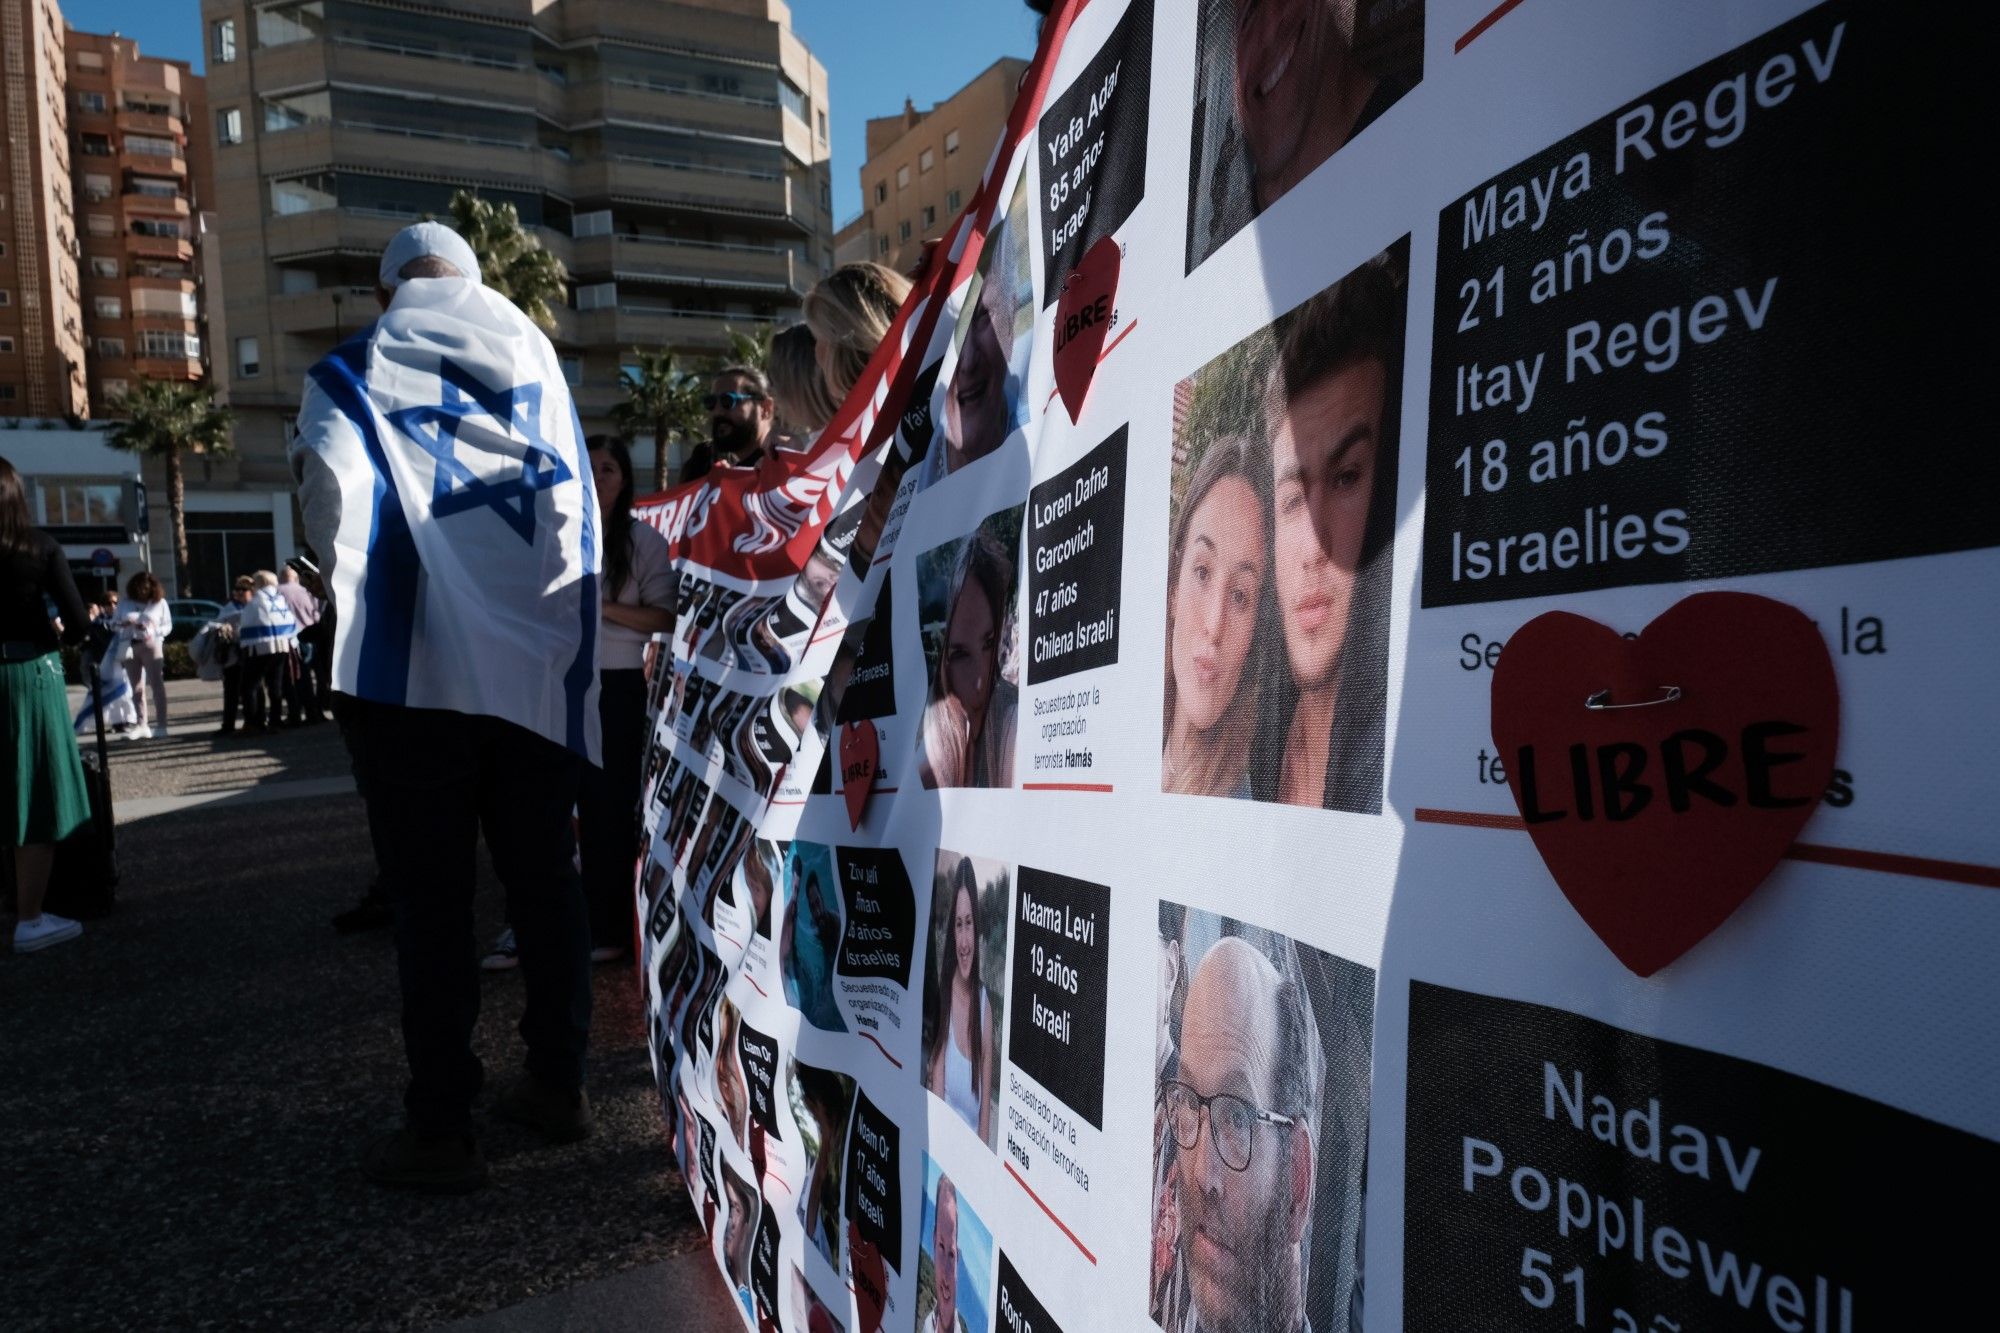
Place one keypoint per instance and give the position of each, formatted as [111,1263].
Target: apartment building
[674,156]
[923,166]
[141,175]
[41,321]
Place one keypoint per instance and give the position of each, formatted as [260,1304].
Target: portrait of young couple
[1280,539]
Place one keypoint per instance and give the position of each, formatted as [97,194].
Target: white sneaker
[136,734]
[43,931]
[504,956]
[160,732]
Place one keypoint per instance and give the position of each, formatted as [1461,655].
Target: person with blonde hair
[849,313]
[805,403]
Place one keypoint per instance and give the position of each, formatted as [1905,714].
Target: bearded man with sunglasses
[739,422]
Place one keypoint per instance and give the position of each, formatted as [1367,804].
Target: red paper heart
[871,1280]
[1083,317]
[1685,806]
[860,761]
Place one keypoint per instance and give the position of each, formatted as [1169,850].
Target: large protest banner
[1128,845]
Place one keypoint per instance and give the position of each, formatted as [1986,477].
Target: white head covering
[426,238]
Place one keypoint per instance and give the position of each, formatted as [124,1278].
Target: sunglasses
[729,400]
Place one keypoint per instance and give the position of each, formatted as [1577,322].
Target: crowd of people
[485,685]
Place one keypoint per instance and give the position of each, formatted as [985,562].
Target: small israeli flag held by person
[113,693]
[466,559]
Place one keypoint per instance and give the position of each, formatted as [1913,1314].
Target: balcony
[150,122]
[166,367]
[153,205]
[444,73]
[152,164]
[709,189]
[355,145]
[142,282]
[160,247]
[296,236]
[316,312]
[654,104]
[636,325]
[690,262]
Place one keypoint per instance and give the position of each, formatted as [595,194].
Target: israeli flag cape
[446,485]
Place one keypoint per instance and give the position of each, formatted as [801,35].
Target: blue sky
[876,53]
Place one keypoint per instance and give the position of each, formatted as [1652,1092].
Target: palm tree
[163,417]
[750,349]
[511,259]
[660,399]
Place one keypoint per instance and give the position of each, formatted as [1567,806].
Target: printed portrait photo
[1281,527]
[954,1260]
[985,400]
[732,1091]
[965,988]
[1260,1130]
[1282,86]
[969,616]
[757,882]
[739,1228]
[809,939]
[821,1101]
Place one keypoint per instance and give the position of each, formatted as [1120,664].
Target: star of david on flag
[457,488]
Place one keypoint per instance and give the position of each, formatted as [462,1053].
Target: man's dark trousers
[433,780]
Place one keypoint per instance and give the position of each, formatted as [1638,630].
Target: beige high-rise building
[923,166]
[674,156]
[141,172]
[41,320]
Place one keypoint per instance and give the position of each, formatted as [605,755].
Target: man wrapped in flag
[446,489]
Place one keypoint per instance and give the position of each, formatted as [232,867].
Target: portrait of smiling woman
[968,728]
[962,996]
[1218,563]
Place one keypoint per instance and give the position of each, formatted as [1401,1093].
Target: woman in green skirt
[46,799]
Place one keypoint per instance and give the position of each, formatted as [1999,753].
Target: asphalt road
[185,1090]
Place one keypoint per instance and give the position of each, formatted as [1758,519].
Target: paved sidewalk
[186,1088]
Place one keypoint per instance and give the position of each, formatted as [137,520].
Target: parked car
[190,614]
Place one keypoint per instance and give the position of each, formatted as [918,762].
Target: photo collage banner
[1083,887]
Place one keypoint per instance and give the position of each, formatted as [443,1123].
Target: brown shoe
[561,1117]
[406,1160]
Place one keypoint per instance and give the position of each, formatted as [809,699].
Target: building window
[596,223]
[572,370]
[107,307]
[145,146]
[882,245]
[930,216]
[6,297]
[113,390]
[76,503]
[101,224]
[927,161]
[902,178]
[89,60]
[229,126]
[6,344]
[822,127]
[309,194]
[95,145]
[951,202]
[177,346]
[882,192]
[103,268]
[597,296]
[903,230]
[792,100]
[247,364]
[6,393]
[111,349]
[91,102]
[950,142]
[224,47]
[96,189]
